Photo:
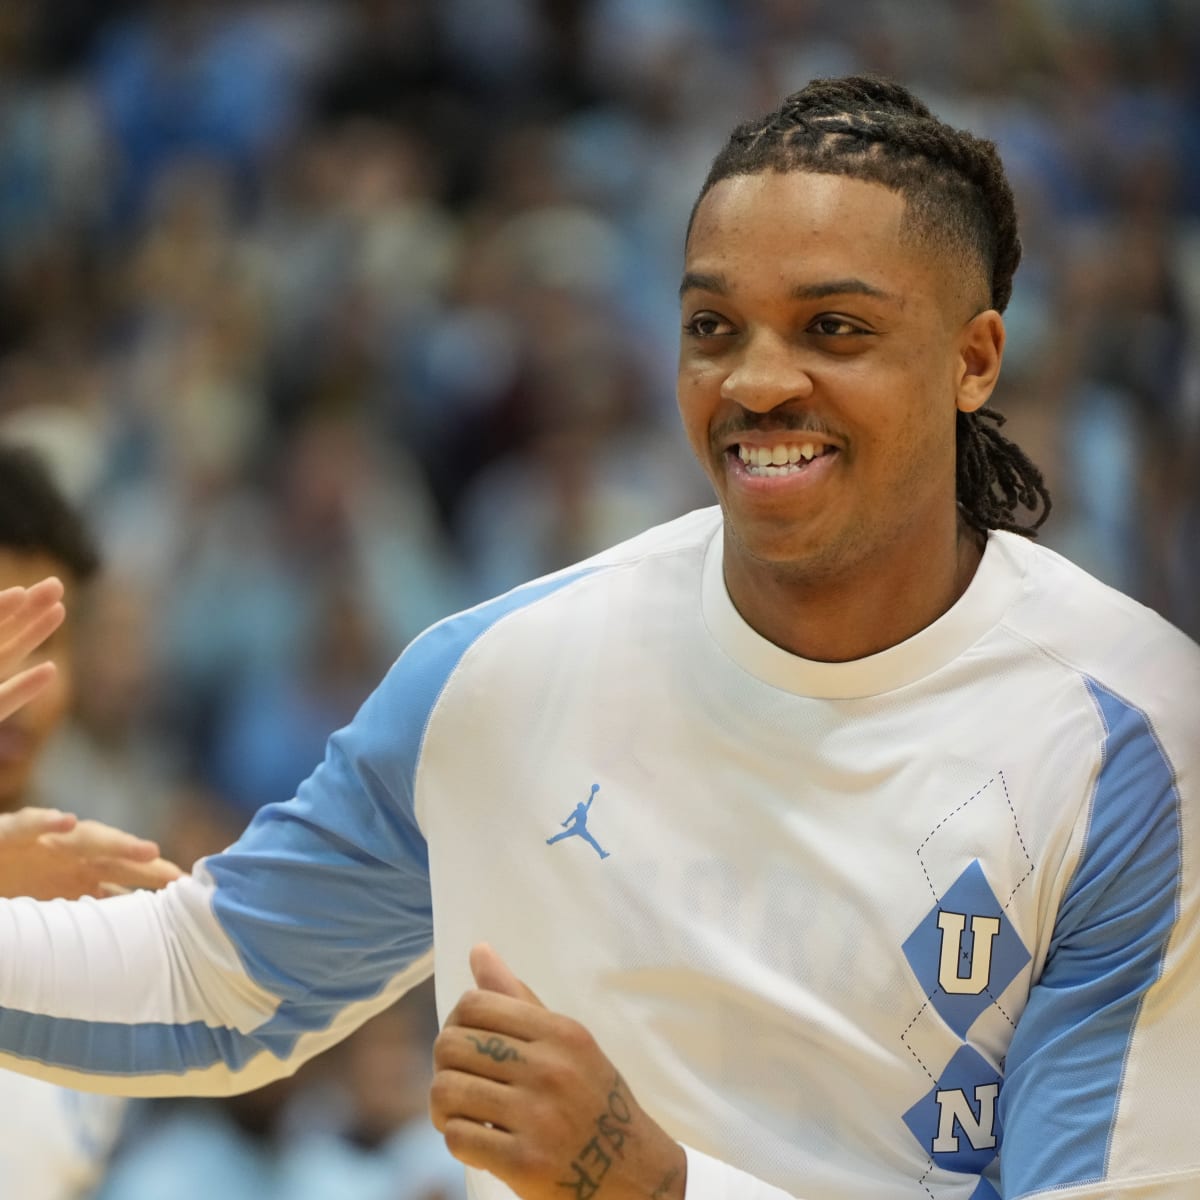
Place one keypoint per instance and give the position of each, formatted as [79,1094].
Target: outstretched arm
[316,918]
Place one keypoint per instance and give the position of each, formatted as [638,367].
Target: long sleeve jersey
[921,925]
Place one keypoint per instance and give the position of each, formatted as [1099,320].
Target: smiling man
[828,342]
[886,884]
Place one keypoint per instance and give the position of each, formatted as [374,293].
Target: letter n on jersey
[957,1121]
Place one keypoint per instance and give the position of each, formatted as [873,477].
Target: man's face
[818,340]
[25,733]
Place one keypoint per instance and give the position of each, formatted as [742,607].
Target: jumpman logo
[576,825]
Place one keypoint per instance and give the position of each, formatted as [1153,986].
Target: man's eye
[704,325]
[833,327]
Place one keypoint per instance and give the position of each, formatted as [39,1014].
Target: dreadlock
[957,198]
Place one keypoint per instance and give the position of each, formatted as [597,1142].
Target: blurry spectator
[197,1149]
[377,1142]
[274,723]
[111,759]
[191,79]
[243,604]
[589,474]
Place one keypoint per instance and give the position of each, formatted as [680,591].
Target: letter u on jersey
[983,933]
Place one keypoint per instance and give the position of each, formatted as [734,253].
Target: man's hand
[50,855]
[28,616]
[526,1094]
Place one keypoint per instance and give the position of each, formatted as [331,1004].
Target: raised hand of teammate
[528,1095]
[49,855]
[28,616]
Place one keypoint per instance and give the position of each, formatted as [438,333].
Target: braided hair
[957,198]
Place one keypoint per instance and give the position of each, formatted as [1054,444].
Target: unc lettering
[954,1108]
[984,930]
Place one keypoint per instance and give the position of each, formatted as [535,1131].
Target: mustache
[771,422]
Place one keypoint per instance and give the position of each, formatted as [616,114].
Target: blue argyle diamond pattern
[987,952]
[985,1191]
[957,1121]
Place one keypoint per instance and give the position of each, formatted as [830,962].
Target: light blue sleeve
[327,897]
[318,916]
[1065,1079]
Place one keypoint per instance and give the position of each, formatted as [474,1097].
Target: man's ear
[980,351]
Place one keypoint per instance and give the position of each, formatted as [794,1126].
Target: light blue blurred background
[338,316]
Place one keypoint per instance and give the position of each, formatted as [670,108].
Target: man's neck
[859,613]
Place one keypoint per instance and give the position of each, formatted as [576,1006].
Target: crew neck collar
[996,584]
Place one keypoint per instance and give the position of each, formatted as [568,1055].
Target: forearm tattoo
[497,1049]
[590,1166]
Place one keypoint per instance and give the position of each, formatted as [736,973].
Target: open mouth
[785,458]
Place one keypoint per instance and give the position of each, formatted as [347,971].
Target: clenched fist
[528,1095]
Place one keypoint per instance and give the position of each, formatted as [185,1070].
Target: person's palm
[49,855]
[28,616]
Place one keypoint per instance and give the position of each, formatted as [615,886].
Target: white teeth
[776,460]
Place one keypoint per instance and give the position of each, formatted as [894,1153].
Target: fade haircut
[957,200]
[35,517]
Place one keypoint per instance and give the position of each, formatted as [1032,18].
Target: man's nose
[769,372]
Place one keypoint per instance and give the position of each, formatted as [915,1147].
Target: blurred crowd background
[338,315]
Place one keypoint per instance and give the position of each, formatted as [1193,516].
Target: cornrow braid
[957,197]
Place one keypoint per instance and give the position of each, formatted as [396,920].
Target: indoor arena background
[339,316]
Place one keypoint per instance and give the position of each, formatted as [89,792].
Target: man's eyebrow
[840,287]
[699,281]
[705,283]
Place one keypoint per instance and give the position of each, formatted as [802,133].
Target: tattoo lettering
[612,1133]
[585,1186]
[663,1191]
[617,1104]
[497,1049]
[591,1164]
